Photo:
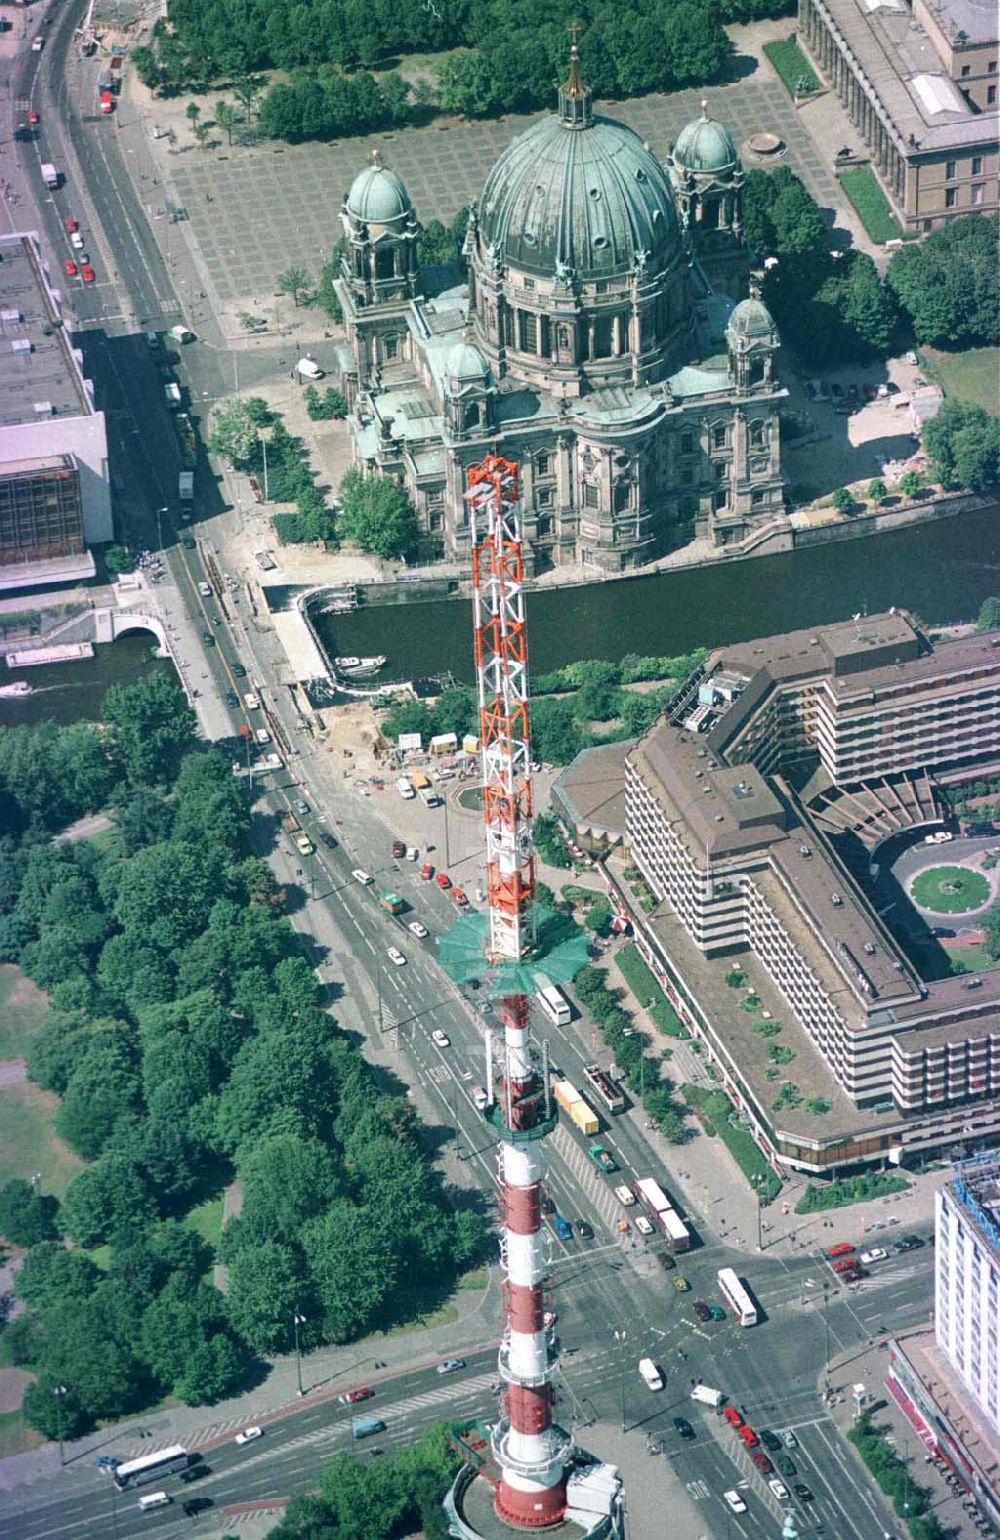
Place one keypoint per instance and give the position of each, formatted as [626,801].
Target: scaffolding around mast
[501,659]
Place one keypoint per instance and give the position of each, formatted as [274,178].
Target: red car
[87,273]
[70,225]
[842,1249]
[426,872]
[361,1394]
[845,1265]
[33,118]
[443,880]
[761,1461]
[69,268]
[732,1416]
[459,897]
[748,1436]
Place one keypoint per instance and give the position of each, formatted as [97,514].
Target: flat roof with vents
[39,373]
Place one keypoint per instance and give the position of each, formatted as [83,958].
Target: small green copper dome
[705,146]
[377,196]
[750,322]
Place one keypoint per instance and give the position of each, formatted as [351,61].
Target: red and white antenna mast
[531,1450]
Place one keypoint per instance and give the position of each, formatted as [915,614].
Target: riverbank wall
[787,538]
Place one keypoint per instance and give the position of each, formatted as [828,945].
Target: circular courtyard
[950,890]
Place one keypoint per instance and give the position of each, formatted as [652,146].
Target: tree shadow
[739,66]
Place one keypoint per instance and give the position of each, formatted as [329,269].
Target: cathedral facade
[604,339]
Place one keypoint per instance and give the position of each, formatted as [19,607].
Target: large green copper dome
[377,196]
[705,146]
[579,193]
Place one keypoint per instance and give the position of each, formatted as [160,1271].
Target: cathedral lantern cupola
[707,181]
[380,234]
[753,341]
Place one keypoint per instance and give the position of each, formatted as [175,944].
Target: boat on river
[354,668]
[16,690]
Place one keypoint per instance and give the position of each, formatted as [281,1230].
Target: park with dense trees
[576,707]
[339,60]
[190,1046]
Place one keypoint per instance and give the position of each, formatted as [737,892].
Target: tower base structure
[593,1492]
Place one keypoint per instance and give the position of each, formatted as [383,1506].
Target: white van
[707,1396]
[650,1374]
[405,789]
[309,369]
[154,1500]
[480,1100]
[182,334]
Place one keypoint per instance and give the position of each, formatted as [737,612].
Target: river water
[73,692]
[941,571]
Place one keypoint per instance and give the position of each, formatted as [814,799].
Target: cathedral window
[758,433]
[720,499]
[390,347]
[384,265]
[544,497]
[591,495]
[623,495]
[718,438]
[603,336]
[541,465]
[543,527]
[529,332]
[545,333]
[687,443]
[508,327]
[757,499]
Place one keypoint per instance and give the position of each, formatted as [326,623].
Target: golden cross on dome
[376,158]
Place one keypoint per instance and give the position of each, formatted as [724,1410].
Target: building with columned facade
[605,339]
[920,86]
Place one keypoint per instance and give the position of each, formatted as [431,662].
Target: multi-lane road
[615,1303]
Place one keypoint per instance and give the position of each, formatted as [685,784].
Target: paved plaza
[253,212]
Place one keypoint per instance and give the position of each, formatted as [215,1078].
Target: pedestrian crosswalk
[699,1490]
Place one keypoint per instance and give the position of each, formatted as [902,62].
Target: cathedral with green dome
[604,338]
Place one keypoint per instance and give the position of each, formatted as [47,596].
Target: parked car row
[77,266]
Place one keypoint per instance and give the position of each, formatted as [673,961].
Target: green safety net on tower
[560,951]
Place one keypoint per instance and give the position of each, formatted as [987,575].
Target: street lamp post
[760,1222]
[297,1321]
[59,1391]
[264,435]
[620,1338]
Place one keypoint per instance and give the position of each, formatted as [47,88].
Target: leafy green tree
[102,1088]
[192,112]
[165,893]
[247,89]
[782,218]
[279,1084]
[235,431]
[557,736]
[108,1197]
[948,283]
[989,615]
[376,514]
[863,307]
[964,442]
[27,1216]
[152,725]
[50,1275]
[133,975]
[909,484]
[842,500]
[53,1410]
[267,1288]
[142,817]
[80,1350]
[877,490]
[353,1266]
[227,118]
[991,929]
[549,841]
[296,282]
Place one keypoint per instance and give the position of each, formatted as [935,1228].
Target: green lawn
[871,205]
[644,987]
[15,1435]
[207,1220]
[970,376]
[797,74]
[973,958]
[27,1141]
[718,1109]
[950,890]
[24,1010]
[850,1189]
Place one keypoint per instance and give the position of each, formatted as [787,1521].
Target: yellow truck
[572,1103]
[419,781]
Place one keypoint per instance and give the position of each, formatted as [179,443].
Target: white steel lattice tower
[530,1449]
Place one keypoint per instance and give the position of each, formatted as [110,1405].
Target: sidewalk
[869,1368]
[325,1374]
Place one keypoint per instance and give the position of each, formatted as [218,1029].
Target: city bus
[736,1297]
[555,1005]
[151,1467]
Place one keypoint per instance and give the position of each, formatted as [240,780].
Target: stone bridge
[110,624]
